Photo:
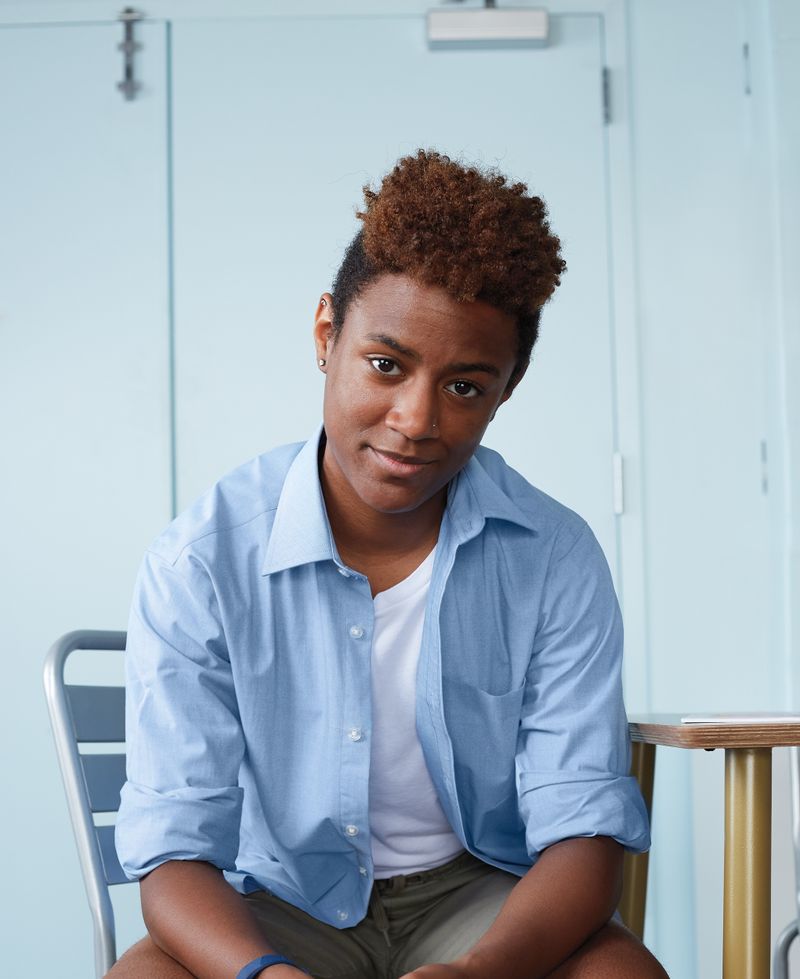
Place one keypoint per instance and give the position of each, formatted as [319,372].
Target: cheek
[468,428]
[356,400]
[463,452]
[351,409]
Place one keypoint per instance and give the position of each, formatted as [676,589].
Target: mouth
[400,465]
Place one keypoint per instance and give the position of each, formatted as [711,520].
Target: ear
[323,327]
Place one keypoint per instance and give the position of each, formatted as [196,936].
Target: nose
[413,412]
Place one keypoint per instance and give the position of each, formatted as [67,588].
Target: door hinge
[748,88]
[606,88]
[129,46]
[619,484]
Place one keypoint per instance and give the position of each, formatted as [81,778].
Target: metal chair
[90,715]
[780,958]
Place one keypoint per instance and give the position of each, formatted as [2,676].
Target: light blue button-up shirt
[248,669]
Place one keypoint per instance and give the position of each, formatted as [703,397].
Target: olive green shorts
[433,916]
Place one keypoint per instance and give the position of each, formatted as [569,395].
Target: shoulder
[242,502]
[550,520]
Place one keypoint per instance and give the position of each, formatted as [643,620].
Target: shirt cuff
[556,808]
[180,824]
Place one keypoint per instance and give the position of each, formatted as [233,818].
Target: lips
[399,464]
[409,460]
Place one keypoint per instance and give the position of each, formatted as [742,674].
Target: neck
[362,534]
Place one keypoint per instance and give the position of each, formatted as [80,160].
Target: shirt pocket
[483,728]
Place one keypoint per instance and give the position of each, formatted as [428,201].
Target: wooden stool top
[768,729]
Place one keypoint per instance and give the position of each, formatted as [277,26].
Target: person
[374,709]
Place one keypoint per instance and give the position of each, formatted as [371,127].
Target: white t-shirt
[409,829]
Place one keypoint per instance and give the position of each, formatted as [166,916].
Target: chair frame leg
[780,957]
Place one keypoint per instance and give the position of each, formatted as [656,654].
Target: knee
[613,953]
[145,960]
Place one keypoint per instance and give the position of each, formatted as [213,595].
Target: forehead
[426,317]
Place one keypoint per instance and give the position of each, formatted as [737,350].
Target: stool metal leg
[634,888]
[748,837]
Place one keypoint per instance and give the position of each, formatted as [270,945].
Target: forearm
[195,916]
[569,894]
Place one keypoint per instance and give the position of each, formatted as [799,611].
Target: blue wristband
[253,968]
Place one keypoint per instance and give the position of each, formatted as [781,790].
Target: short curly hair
[473,233]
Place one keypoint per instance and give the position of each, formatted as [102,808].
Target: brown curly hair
[447,224]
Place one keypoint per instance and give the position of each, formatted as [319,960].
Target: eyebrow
[461,367]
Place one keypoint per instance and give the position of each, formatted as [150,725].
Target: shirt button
[351,830]
[354,734]
[356,631]
[342,915]
[362,871]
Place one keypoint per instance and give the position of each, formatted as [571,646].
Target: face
[412,381]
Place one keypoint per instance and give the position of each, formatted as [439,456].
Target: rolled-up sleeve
[573,756]
[182,800]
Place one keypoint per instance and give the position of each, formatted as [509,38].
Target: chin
[393,499]
[393,505]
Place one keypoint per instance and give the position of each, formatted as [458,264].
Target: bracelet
[264,962]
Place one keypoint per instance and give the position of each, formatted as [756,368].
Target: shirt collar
[301,533]
[475,498]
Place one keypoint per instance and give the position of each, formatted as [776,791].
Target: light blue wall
[709,365]
[86,423]
[83,421]
[785,71]
[784,23]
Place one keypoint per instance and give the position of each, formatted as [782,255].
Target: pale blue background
[160,261]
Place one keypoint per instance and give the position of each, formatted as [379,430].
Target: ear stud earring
[322,362]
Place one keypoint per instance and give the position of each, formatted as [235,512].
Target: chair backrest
[82,715]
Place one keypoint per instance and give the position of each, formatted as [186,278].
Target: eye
[385,365]
[464,389]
